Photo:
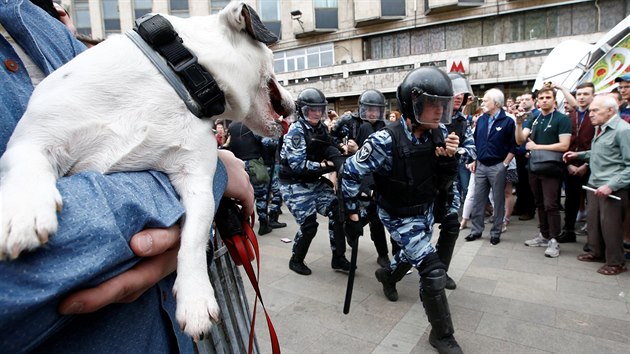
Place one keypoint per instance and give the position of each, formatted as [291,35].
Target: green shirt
[546,130]
[609,157]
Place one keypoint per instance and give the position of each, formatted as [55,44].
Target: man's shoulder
[561,116]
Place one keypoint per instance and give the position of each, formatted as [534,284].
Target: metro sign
[458,65]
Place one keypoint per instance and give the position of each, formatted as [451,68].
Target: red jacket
[581,134]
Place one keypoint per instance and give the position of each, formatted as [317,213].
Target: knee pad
[433,282]
[431,262]
[309,228]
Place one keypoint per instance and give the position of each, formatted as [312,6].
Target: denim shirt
[100,214]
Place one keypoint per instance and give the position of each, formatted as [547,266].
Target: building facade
[344,47]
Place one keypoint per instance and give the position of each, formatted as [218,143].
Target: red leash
[241,242]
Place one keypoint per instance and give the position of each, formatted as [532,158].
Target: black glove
[353,229]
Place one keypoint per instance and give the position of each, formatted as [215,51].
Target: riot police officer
[407,160]
[308,153]
[449,198]
[372,113]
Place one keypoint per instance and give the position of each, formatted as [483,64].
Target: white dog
[110,110]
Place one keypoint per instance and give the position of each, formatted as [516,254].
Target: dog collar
[158,40]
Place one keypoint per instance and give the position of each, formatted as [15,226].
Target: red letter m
[458,68]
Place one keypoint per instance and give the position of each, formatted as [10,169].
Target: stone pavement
[510,298]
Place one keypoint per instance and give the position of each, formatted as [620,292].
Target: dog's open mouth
[275,97]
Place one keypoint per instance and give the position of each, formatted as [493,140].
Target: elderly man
[494,138]
[610,174]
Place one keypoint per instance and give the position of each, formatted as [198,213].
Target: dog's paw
[196,306]
[29,217]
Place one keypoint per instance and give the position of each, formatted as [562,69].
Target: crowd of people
[444,157]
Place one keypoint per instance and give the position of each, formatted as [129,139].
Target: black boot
[449,232]
[301,246]
[389,279]
[263,227]
[340,263]
[273,221]
[299,266]
[436,307]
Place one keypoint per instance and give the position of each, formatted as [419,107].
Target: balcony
[437,6]
[370,12]
[311,22]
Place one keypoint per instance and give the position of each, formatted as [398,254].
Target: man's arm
[521,133]
[567,95]
[159,249]
[561,146]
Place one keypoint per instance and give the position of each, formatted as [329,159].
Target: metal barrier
[231,335]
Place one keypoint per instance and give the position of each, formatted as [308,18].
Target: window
[142,7]
[217,5]
[111,17]
[179,8]
[269,11]
[304,58]
[82,17]
[326,14]
[523,26]
[393,8]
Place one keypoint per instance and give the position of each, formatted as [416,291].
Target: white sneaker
[553,249]
[538,241]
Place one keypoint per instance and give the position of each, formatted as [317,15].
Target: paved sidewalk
[510,298]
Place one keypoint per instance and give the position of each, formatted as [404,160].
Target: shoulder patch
[296,141]
[364,153]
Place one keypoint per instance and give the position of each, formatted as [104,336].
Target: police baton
[353,267]
[355,247]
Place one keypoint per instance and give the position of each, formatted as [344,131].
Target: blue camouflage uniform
[412,233]
[303,189]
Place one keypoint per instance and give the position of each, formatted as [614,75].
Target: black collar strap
[202,95]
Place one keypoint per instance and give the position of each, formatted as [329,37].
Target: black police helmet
[374,102]
[372,98]
[427,80]
[310,97]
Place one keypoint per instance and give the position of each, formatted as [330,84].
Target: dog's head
[232,46]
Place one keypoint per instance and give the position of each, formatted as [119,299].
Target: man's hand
[603,191]
[472,167]
[159,246]
[569,155]
[351,147]
[581,171]
[354,229]
[452,143]
[238,187]
[531,145]
[572,170]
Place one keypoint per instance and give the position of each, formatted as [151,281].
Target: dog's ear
[244,18]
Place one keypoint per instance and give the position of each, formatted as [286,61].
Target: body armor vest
[411,186]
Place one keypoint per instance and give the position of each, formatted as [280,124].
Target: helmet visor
[460,85]
[313,113]
[431,109]
[371,113]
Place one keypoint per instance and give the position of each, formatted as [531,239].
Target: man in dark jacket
[495,142]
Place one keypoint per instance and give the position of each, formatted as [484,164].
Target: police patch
[296,141]
[364,153]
